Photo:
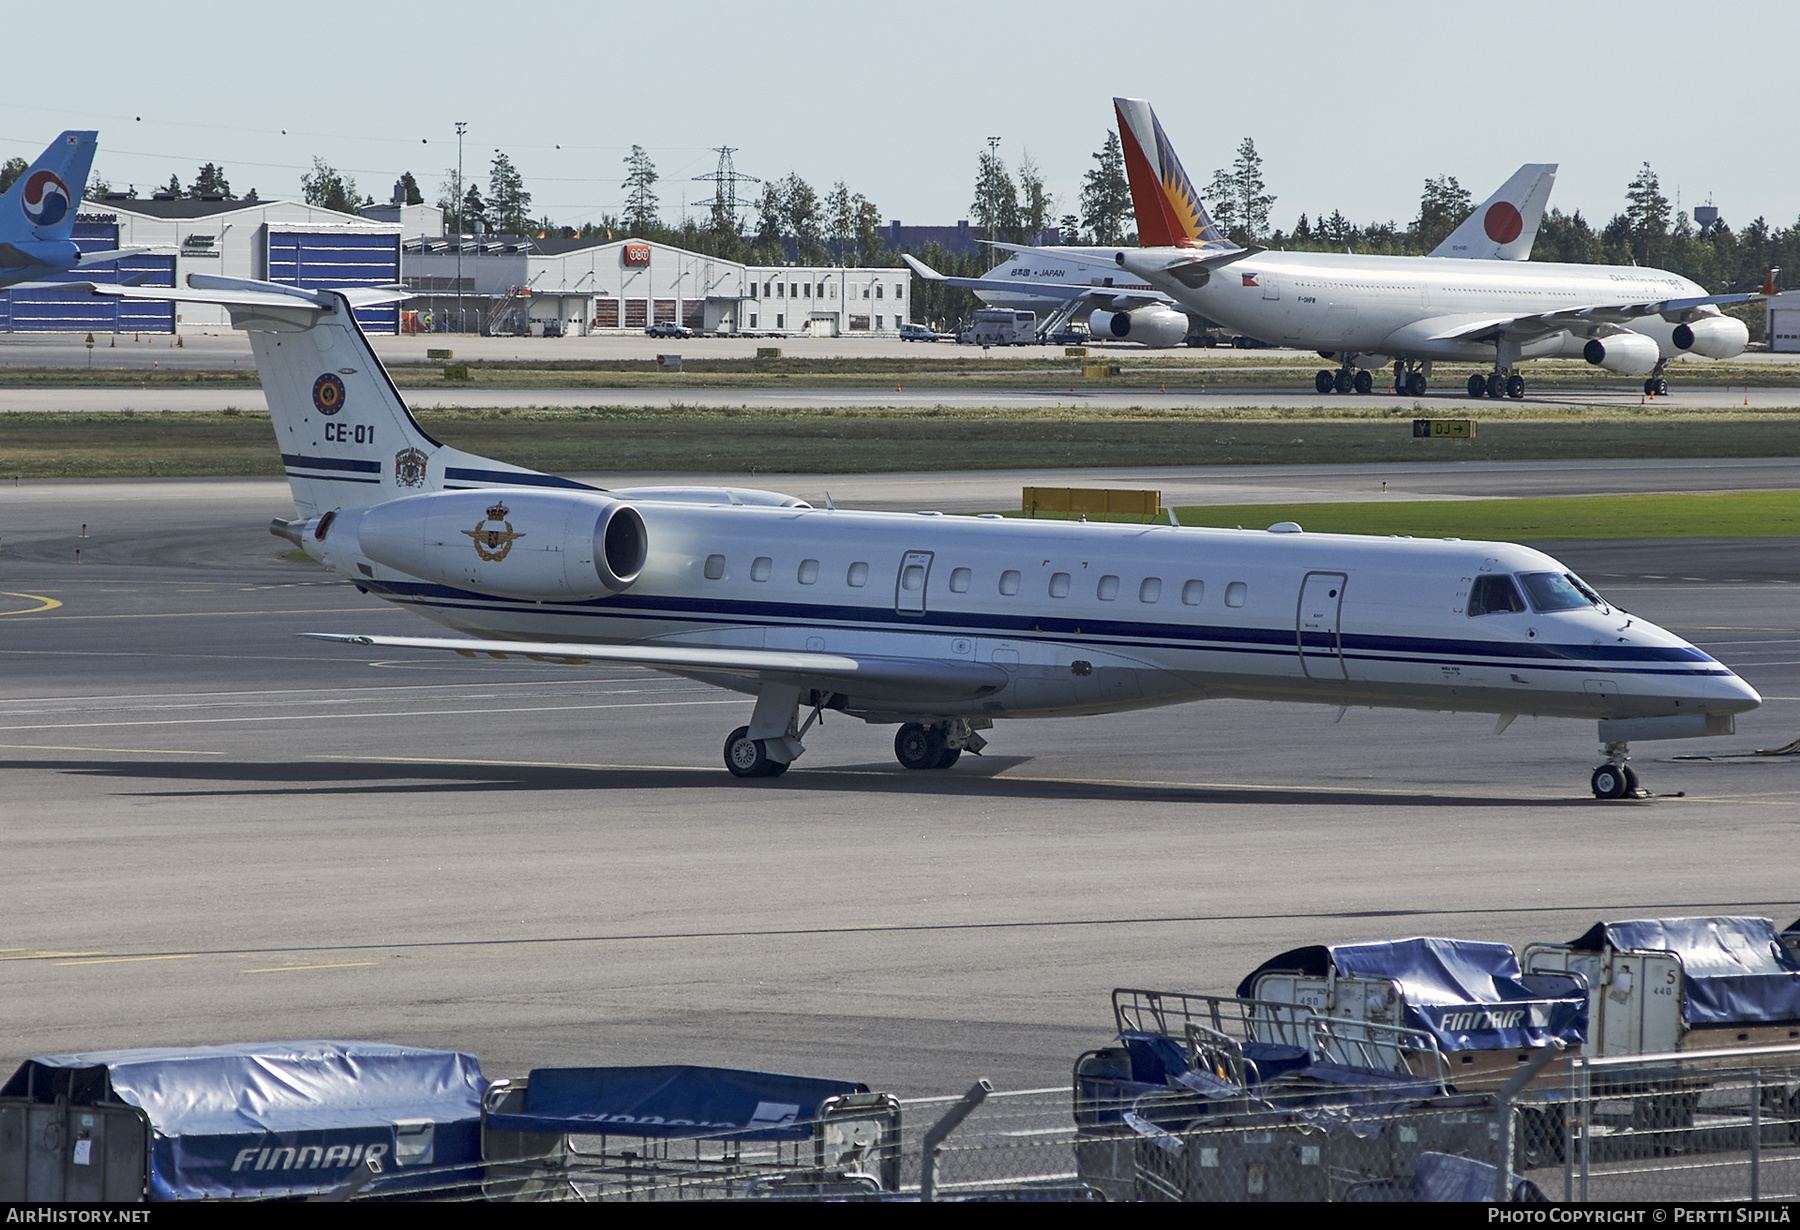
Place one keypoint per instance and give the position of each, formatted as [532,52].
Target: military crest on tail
[409,467]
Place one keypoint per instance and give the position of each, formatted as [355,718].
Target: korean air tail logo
[46,200]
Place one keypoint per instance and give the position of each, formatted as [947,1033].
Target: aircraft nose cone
[1736,695]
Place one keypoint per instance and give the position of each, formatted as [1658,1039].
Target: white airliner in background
[1367,311]
[1048,280]
[941,625]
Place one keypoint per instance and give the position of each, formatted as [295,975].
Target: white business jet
[938,624]
[1367,311]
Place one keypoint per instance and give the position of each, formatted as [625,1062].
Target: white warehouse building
[627,285]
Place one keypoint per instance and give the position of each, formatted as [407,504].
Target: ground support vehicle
[1633,990]
[1004,327]
[687,1132]
[273,1120]
[1213,1098]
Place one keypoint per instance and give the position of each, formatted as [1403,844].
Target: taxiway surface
[216,831]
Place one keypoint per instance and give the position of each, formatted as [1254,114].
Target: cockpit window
[1560,591]
[1492,595]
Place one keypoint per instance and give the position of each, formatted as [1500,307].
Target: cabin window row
[912,579]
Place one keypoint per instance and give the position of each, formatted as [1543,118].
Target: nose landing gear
[1615,779]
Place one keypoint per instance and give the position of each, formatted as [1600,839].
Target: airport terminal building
[505,285]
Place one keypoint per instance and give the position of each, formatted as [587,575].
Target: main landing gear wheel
[1515,387]
[1656,386]
[1496,386]
[924,747]
[1478,385]
[1415,384]
[1343,382]
[1364,382]
[1613,781]
[1325,381]
[747,757]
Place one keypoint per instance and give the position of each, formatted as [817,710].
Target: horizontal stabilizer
[247,293]
[1110,298]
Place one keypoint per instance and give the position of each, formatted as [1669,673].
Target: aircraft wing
[879,678]
[1111,298]
[1594,319]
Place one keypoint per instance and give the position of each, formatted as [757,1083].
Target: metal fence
[1686,1126]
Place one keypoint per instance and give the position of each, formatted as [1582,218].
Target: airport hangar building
[499,284]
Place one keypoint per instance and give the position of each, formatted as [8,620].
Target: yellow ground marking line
[282,969]
[348,717]
[352,613]
[28,954]
[173,956]
[133,751]
[44,604]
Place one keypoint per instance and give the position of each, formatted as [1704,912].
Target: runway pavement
[216,831]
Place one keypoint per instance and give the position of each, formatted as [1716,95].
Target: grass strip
[772,441]
[1736,514]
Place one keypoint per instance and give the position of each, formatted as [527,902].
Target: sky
[1352,106]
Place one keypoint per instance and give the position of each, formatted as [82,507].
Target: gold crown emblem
[497,512]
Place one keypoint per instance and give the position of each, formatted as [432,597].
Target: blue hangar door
[323,260]
[63,311]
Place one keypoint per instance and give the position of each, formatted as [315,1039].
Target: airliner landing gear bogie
[747,757]
[1656,386]
[935,745]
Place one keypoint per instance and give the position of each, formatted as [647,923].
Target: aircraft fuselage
[1397,305]
[1089,618]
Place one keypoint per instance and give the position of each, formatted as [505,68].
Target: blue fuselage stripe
[1122,634]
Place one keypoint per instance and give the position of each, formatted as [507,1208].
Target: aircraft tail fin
[1169,210]
[347,439]
[41,204]
[1772,284]
[1504,226]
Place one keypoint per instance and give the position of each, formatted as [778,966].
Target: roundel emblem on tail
[46,199]
[1502,222]
[328,394]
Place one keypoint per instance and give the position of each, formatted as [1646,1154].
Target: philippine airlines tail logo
[1169,211]
[46,200]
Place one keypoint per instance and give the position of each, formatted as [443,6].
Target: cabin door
[909,589]
[1316,632]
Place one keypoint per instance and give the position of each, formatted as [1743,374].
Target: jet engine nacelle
[1716,337]
[1155,326]
[1627,354]
[544,545]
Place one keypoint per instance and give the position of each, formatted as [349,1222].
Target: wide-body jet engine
[1153,325]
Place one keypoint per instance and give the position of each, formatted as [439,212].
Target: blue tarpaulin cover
[1737,970]
[279,1118]
[1468,994]
[672,1100]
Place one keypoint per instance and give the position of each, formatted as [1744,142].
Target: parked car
[917,333]
[1070,337]
[669,331]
